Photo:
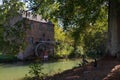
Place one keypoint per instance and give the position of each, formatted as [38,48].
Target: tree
[96,35]
[113,28]
[73,14]
[64,48]
[11,32]
[79,14]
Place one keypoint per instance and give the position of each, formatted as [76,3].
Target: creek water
[16,71]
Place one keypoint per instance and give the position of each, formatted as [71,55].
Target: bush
[63,50]
[35,72]
[77,53]
[95,45]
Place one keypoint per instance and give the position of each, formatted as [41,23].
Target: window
[31,25]
[43,37]
[28,13]
[43,34]
[48,27]
[40,26]
[31,40]
[48,39]
[40,39]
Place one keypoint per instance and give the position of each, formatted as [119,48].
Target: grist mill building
[39,31]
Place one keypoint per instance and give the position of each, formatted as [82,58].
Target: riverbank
[108,69]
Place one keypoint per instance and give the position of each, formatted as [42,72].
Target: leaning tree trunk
[114,28]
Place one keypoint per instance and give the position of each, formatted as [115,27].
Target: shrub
[35,72]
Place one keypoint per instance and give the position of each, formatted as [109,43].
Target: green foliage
[81,22]
[11,30]
[59,34]
[90,39]
[12,38]
[64,48]
[95,44]
[78,52]
[96,35]
[36,71]
[70,12]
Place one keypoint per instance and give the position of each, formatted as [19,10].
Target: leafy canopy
[75,15]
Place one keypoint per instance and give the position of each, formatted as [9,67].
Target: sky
[0,2]
[19,0]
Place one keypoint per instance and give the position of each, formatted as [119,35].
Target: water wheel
[42,46]
[39,49]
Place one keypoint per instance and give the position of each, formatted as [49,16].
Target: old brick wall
[39,31]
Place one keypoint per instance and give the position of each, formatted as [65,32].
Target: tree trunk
[113,28]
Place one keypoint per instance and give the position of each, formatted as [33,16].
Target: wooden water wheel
[42,46]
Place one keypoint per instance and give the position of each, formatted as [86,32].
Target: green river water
[16,71]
